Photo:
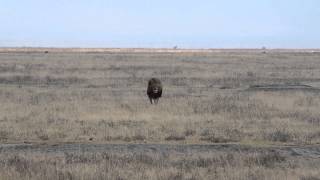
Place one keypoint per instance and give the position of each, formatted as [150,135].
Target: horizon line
[145,49]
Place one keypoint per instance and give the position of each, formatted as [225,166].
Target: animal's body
[154,90]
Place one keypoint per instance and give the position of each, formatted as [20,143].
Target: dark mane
[154,90]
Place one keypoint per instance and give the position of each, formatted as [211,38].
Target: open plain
[223,115]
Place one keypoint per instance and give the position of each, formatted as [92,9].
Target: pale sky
[161,23]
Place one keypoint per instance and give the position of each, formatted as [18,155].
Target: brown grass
[101,97]
[136,166]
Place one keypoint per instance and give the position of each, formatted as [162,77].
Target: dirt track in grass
[307,151]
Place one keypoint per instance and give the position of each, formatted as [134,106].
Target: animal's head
[154,86]
[155,89]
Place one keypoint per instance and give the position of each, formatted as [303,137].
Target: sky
[160,23]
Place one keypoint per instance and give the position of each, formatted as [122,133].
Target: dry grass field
[235,164]
[251,98]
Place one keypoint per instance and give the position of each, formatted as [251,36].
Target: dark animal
[154,90]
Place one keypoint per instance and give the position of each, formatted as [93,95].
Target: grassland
[230,162]
[100,97]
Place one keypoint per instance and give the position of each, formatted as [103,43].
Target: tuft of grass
[309,177]
[175,137]
[280,136]
[4,135]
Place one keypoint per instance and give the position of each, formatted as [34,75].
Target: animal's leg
[156,101]
[150,100]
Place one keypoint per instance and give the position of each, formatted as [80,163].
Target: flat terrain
[158,161]
[223,115]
